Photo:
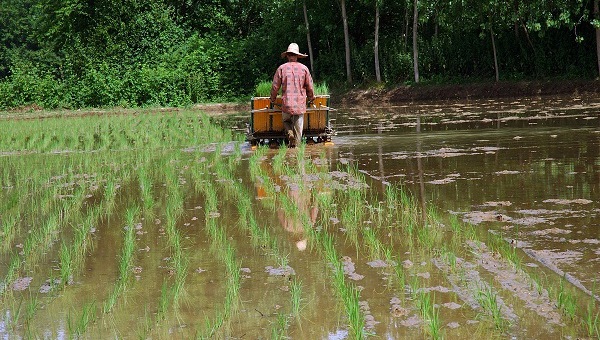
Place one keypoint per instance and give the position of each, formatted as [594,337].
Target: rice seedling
[591,320]
[505,249]
[66,265]
[296,292]
[488,300]
[78,325]
[566,300]
[163,302]
[279,328]
[429,314]
[279,160]
[8,230]
[145,326]
[146,189]
[263,89]
[13,315]
[321,88]
[32,306]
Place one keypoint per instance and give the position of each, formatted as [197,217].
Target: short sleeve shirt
[296,85]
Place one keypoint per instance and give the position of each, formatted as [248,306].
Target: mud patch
[518,283]
[564,201]
[550,231]
[350,270]
[21,283]
[564,257]
[477,217]
[281,271]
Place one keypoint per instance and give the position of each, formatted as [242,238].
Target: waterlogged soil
[524,170]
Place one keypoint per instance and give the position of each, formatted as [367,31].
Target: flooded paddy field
[427,221]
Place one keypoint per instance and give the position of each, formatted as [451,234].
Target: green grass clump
[263,89]
[321,89]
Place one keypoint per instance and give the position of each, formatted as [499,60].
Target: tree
[346,42]
[415,36]
[596,23]
[376,44]
[310,51]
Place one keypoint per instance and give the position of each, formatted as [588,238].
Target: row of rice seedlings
[145,183]
[565,299]
[348,292]
[591,319]
[488,300]
[125,259]
[15,315]
[226,252]
[9,230]
[174,210]
[429,313]
[110,132]
[72,257]
[36,244]
[259,236]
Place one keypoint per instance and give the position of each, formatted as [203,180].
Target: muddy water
[525,169]
[528,170]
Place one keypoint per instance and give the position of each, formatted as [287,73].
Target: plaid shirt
[296,83]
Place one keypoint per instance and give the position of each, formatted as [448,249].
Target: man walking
[296,86]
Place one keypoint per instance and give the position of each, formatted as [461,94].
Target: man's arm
[310,91]
[276,85]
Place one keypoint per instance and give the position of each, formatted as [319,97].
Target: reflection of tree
[420,171]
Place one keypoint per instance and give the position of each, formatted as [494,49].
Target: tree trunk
[415,48]
[597,17]
[495,55]
[346,42]
[310,51]
[376,47]
[406,26]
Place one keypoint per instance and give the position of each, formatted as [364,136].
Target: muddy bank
[585,89]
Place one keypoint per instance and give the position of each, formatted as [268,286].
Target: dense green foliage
[90,53]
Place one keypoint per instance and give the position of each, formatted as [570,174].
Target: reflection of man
[292,222]
[296,85]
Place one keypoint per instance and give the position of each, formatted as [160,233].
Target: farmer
[297,85]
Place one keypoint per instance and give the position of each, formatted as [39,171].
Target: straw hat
[293,48]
